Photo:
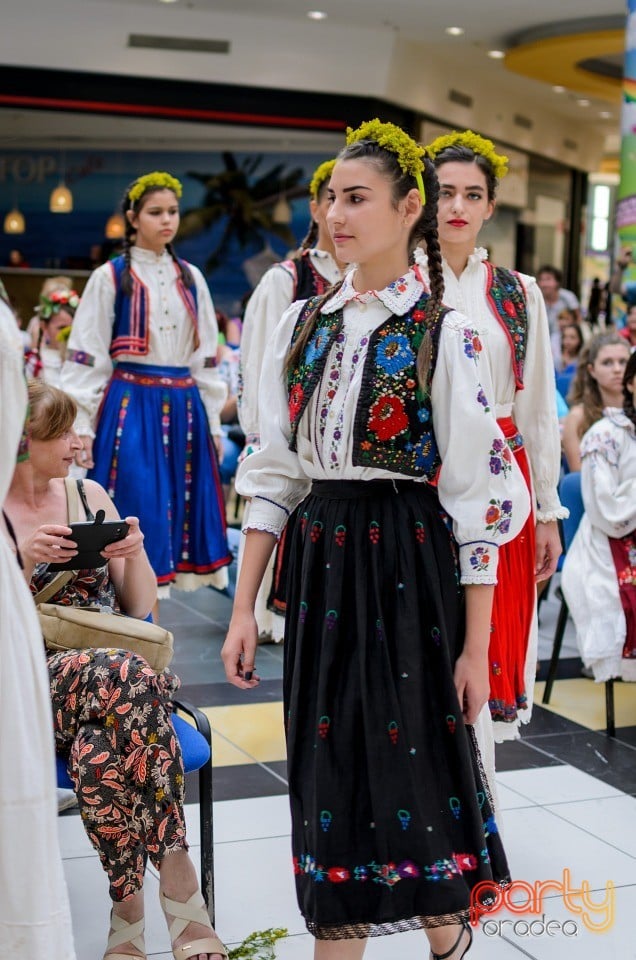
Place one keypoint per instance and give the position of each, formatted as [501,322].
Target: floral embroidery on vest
[507,299]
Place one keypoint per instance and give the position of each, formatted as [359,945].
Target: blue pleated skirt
[154,454]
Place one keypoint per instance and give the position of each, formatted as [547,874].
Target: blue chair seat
[194,748]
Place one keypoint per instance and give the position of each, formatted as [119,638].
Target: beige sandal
[124,932]
[193,910]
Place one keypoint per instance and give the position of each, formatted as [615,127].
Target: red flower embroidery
[418,316]
[388,417]
[295,400]
[492,514]
[338,874]
[509,307]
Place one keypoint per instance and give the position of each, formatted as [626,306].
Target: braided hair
[425,229]
[135,206]
[628,397]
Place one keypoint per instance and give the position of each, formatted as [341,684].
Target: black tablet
[91,536]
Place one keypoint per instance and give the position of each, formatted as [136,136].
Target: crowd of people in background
[327,406]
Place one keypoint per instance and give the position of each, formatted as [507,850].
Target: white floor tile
[556,784]
[611,819]
[250,819]
[510,799]
[540,846]
[73,839]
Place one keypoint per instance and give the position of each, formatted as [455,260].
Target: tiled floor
[567,792]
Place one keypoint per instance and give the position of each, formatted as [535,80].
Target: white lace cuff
[266,514]
[478,562]
[547,516]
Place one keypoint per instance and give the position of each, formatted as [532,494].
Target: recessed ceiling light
[582,102]
[317,15]
[605,115]
[558,89]
[455,31]
[497,54]
[168,1]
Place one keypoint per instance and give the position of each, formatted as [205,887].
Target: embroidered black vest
[308,282]
[393,426]
[507,299]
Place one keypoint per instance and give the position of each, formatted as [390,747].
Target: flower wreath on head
[159,179]
[58,300]
[409,153]
[321,174]
[474,142]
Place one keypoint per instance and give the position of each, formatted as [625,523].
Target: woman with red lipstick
[141,367]
[508,311]
[376,406]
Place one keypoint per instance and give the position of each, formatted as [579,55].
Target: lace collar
[618,417]
[398,297]
[476,258]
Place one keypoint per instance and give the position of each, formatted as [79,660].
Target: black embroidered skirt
[392,824]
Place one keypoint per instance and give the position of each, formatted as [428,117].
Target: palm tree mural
[247,204]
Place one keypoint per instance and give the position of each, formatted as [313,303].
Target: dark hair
[458,153]
[585,389]
[425,229]
[554,271]
[128,242]
[628,397]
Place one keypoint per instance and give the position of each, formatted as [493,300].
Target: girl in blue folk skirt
[380,429]
[141,367]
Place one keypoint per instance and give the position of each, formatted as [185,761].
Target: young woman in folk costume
[373,398]
[309,273]
[508,312]
[141,368]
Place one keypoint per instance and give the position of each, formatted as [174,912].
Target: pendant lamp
[115,228]
[61,199]
[14,222]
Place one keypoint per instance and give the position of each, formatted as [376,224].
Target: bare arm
[570,438]
[472,681]
[239,650]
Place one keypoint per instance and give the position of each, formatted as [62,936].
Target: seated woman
[111,712]
[599,572]
[597,384]
[571,345]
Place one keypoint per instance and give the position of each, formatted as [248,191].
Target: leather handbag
[81,628]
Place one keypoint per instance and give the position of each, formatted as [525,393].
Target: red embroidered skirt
[513,605]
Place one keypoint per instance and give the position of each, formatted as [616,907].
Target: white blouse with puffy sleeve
[488,507]
[171,337]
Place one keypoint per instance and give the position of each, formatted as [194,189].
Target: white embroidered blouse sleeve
[269,301]
[535,410]
[212,388]
[88,366]
[480,484]
[272,475]
[610,502]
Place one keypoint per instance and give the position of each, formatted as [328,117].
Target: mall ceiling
[568,46]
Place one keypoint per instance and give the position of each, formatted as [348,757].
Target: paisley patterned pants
[112,717]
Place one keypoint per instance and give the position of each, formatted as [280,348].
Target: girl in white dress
[509,313]
[310,273]
[376,432]
[141,366]
[34,912]
[599,571]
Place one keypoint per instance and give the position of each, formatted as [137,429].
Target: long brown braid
[425,228]
[129,240]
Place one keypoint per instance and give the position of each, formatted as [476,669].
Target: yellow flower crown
[409,153]
[156,179]
[474,142]
[321,173]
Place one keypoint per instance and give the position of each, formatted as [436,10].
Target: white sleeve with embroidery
[88,365]
[535,410]
[609,492]
[480,484]
[203,363]
[271,298]
[272,475]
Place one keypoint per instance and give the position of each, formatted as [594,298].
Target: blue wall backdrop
[98,180]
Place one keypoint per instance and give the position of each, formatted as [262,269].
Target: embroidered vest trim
[307,281]
[507,299]
[393,426]
[131,326]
